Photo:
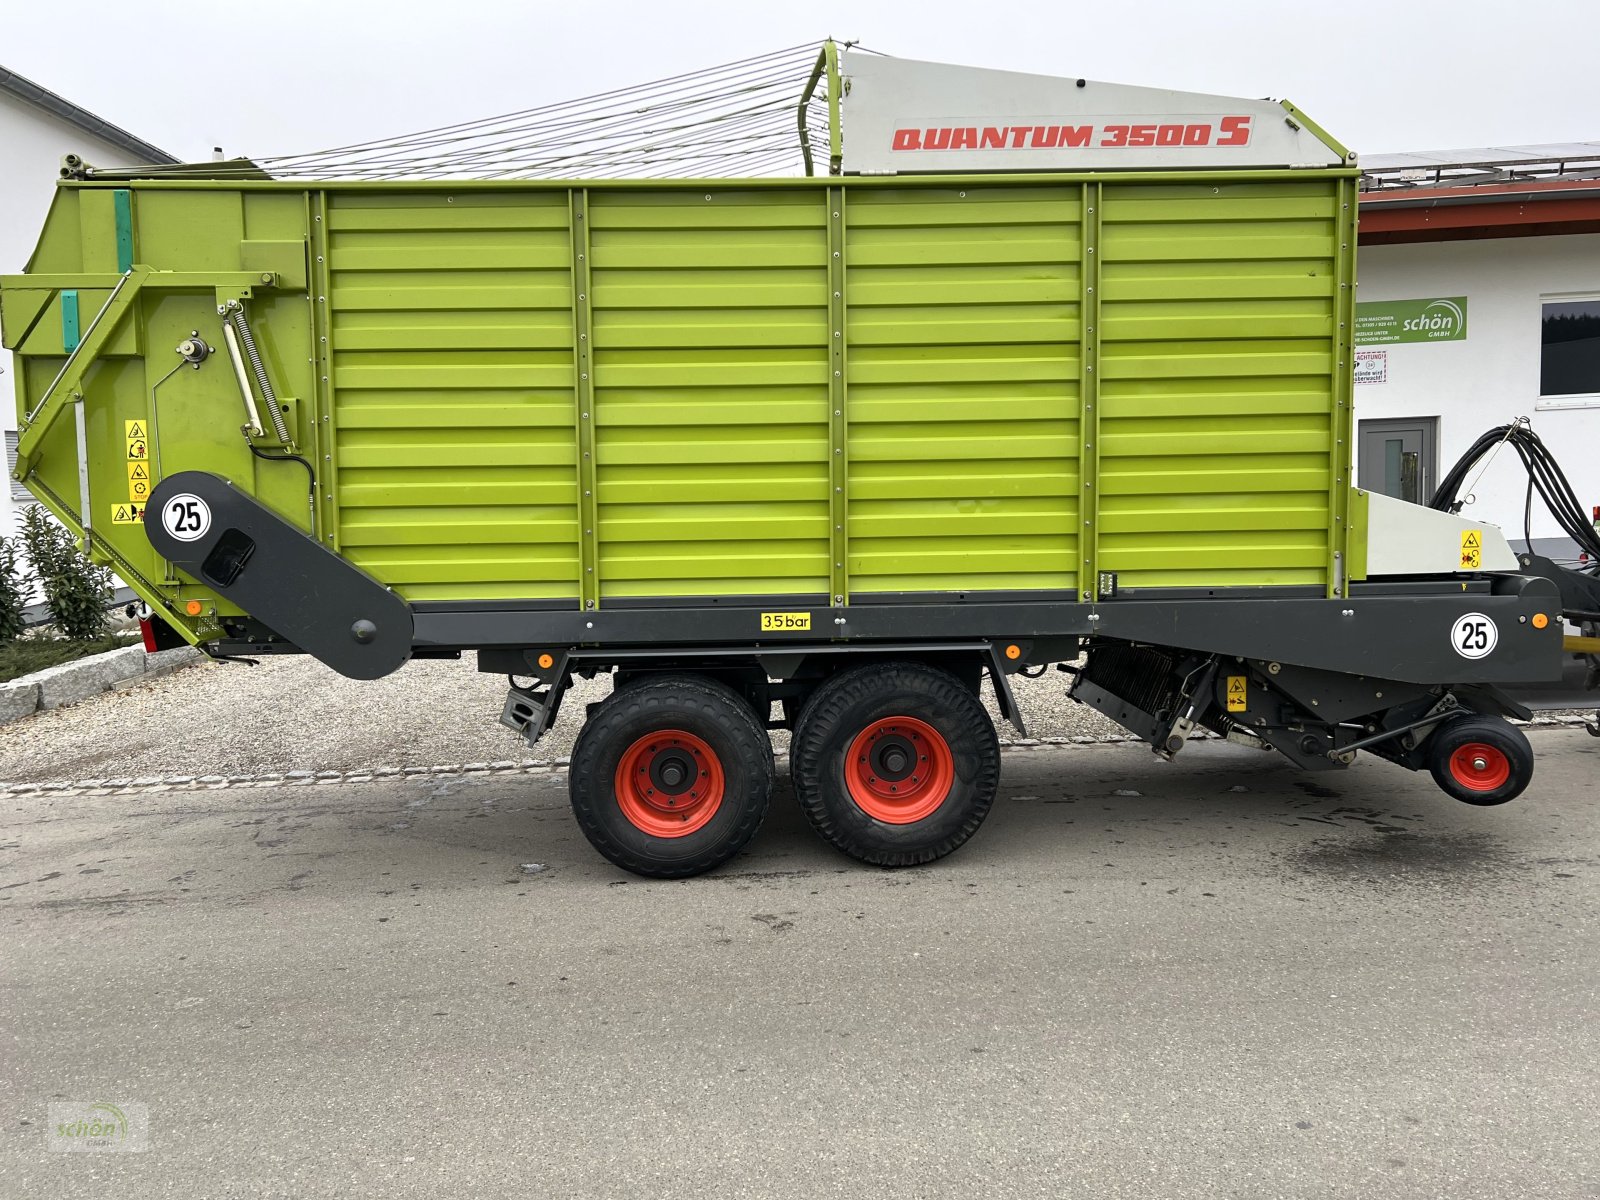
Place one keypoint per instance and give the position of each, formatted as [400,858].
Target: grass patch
[29,654]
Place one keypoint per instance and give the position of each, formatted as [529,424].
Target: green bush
[76,590]
[13,591]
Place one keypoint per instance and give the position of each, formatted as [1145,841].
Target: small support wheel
[895,764]
[1481,760]
[671,776]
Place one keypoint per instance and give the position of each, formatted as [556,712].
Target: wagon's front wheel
[895,764]
[671,776]
[1481,760]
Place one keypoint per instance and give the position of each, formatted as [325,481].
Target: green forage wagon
[1022,371]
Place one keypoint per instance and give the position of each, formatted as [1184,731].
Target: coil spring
[246,339]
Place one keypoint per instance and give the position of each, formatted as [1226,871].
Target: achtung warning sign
[127,514]
[1238,695]
[1471,549]
[138,482]
[134,429]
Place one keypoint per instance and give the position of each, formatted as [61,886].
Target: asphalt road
[1241,981]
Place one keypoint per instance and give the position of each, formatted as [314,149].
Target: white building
[37,128]
[1493,258]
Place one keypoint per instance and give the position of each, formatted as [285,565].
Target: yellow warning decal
[127,514]
[1471,549]
[138,440]
[1238,695]
[779,622]
[138,482]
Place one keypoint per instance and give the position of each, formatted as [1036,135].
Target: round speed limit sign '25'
[1474,636]
[186,517]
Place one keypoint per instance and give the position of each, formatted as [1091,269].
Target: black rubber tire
[849,702]
[708,710]
[1490,731]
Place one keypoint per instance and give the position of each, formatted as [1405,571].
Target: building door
[1398,457]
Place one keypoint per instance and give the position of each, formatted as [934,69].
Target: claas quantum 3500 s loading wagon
[1041,371]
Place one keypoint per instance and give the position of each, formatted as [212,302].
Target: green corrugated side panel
[962,373]
[710,322]
[1219,303]
[450,319]
[452,401]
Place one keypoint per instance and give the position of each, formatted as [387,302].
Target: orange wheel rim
[1480,767]
[669,783]
[899,770]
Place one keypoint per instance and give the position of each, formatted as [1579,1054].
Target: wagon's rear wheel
[1481,760]
[895,764]
[671,776]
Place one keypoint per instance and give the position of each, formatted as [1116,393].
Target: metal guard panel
[283,578]
[904,115]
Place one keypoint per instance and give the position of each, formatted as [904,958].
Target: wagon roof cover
[813,109]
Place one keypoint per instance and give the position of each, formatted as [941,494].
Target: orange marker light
[546,662]
[1540,620]
[194,608]
[1013,651]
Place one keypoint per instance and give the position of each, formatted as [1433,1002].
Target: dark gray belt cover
[325,605]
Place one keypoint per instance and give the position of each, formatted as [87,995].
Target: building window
[1569,352]
[19,494]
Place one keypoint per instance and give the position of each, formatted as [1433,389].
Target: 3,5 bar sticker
[778,622]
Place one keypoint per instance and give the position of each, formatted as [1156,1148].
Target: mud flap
[243,550]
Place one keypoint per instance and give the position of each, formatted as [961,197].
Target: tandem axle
[906,698]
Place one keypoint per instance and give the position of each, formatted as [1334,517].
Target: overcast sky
[286,76]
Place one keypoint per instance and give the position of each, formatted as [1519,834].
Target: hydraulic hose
[1544,475]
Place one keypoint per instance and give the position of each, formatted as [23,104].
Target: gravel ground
[294,714]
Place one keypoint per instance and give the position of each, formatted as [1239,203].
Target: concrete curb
[75,681]
[149,784]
